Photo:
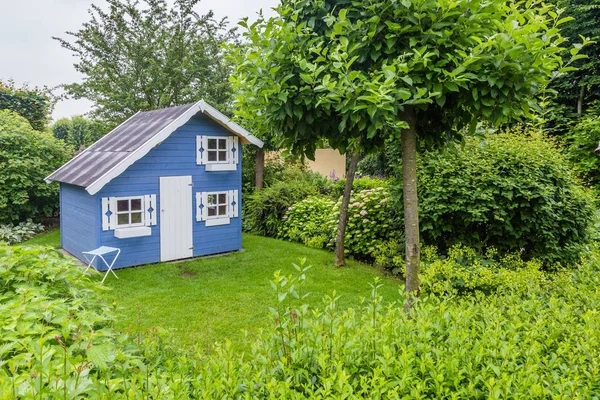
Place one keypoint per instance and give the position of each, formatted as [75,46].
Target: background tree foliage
[26,158]
[360,73]
[78,131]
[142,55]
[33,104]
[577,89]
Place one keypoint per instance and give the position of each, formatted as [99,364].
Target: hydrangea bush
[307,222]
[369,221]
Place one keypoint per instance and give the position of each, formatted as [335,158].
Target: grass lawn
[212,299]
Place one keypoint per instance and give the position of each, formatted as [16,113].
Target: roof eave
[231,126]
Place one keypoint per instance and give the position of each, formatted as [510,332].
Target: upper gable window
[218,150]
[218,153]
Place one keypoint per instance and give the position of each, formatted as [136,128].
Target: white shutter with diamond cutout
[233,203]
[150,209]
[198,206]
[236,150]
[199,150]
[204,145]
[205,205]
[109,206]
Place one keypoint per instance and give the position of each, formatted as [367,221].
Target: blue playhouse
[164,185]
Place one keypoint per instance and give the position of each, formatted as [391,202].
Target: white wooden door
[176,218]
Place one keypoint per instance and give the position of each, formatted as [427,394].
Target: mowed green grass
[211,299]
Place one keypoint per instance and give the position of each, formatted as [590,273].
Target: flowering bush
[361,182]
[369,221]
[308,222]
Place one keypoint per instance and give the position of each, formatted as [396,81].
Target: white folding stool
[101,252]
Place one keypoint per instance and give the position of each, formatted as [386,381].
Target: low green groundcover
[57,341]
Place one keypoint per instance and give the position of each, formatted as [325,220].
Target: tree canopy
[345,70]
[141,55]
[33,104]
[579,88]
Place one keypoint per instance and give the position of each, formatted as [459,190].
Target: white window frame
[141,211]
[225,204]
[227,149]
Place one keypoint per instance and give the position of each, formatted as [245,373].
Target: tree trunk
[343,221]
[580,101]
[260,165]
[411,206]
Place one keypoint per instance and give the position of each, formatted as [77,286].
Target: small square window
[216,204]
[130,212]
[136,218]
[123,219]
[217,150]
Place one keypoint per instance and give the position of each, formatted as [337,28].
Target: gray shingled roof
[113,148]
[131,140]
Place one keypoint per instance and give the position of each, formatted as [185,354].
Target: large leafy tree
[26,158]
[33,104]
[142,55]
[577,89]
[359,72]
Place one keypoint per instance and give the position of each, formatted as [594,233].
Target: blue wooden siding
[78,224]
[176,156]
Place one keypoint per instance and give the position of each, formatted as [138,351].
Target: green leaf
[98,355]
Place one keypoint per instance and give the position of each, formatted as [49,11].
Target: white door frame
[176,229]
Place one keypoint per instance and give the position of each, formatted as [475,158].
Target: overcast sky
[29,55]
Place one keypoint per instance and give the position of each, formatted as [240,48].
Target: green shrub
[26,158]
[369,221]
[57,341]
[10,234]
[308,222]
[264,209]
[390,254]
[582,140]
[466,271]
[515,193]
[33,104]
[540,343]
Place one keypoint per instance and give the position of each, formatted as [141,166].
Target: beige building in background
[328,162]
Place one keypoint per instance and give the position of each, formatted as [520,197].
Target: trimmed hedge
[511,192]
